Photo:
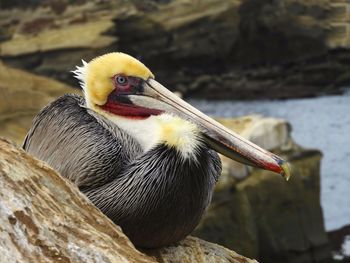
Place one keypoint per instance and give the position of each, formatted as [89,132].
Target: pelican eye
[121,80]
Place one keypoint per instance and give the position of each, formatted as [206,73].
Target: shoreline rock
[45,218]
[266,218]
[259,214]
[337,239]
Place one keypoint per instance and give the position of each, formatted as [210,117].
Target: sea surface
[322,123]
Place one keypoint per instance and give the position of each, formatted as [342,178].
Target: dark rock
[240,49]
[337,236]
[270,219]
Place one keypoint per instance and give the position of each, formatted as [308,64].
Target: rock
[229,220]
[88,35]
[269,30]
[237,49]
[44,218]
[266,218]
[269,133]
[49,43]
[196,250]
[339,239]
[291,227]
[181,30]
[22,95]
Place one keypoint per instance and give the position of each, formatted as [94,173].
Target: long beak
[217,136]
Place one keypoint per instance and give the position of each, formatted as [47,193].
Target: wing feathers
[86,149]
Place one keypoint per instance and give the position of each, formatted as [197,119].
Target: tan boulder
[22,95]
[44,218]
[193,249]
[268,133]
[88,35]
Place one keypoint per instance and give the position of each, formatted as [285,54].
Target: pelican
[146,158]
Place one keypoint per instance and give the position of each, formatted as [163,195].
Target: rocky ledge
[45,218]
[22,95]
[237,49]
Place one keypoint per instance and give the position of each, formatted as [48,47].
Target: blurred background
[276,71]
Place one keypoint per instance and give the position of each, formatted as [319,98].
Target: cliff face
[237,49]
[266,218]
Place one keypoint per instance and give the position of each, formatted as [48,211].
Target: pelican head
[117,85]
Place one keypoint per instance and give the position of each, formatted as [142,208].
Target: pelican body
[144,157]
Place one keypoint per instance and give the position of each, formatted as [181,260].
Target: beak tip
[286,170]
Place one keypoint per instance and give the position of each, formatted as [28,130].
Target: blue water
[322,123]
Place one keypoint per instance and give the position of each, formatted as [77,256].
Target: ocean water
[322,123]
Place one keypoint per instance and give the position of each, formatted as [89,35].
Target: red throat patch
[130,111]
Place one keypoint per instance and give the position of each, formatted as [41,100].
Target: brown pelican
[143,156]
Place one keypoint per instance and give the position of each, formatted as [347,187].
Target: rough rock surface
[44,218]
[339,239]
[197,250]
[22,95]
[236,49]
[269,133]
